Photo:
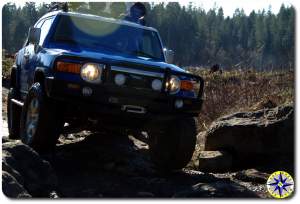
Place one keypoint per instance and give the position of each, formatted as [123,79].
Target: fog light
[120,79]
[156,84]
[178,103]
[87,91]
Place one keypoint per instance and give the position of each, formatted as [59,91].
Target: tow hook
[133,109]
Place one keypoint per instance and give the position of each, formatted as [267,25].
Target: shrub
[241,90]
[7,64]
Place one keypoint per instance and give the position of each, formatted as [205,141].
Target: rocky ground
[100,165]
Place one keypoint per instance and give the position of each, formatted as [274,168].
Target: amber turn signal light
[187,85]
[68,67]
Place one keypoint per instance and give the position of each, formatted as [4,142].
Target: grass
[7,64]
[241,90]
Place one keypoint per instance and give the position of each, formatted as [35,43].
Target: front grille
[138,81]
[137,72]
[136,78]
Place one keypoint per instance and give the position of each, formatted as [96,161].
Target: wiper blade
[143,54]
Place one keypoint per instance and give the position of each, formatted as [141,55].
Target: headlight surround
[91,72]
[174,84]
[196,88]
[189,86]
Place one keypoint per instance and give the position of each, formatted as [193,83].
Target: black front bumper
[109,99]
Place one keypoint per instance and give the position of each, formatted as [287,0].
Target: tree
[260,40]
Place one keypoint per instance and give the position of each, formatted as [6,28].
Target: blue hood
[112,58]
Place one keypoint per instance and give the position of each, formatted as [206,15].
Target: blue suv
[80,71]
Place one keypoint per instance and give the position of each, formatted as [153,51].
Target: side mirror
[34,35]
[169,54]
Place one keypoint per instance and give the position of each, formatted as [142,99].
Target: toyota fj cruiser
[79,70]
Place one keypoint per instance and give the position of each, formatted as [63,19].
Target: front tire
[41,121]
[172,146]
[13,115]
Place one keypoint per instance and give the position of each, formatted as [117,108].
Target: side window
[45,29]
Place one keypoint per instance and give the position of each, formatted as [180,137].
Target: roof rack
[56,6]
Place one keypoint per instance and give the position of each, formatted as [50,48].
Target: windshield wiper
[144,54]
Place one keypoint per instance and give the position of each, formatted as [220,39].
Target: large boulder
[254,137]
[12,188]
[24,172]
[252,175]
[219,189]
[214,161]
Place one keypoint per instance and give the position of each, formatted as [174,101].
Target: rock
[12,172]
[265,103]
[5,139]
[224,188]
[252,175]
[109,166]
[88,193]
[11,188]
[145,194]
[254,137]
[214,161]
[28,169]
[201,137]
[53,194]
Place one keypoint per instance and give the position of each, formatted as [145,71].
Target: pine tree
[260,40]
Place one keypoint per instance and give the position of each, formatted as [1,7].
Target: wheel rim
[32,118]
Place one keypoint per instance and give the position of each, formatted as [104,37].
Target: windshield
[107,36]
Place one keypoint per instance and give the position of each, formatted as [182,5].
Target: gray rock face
[24,172]
[252,175]
[12,188]
[110,168]
[214,161]
[224,188]
[254,137]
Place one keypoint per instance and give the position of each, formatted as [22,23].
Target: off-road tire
[172,146]
[49,123]
[13,115]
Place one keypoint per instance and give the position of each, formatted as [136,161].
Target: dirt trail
[101,165]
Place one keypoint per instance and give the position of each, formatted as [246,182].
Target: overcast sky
[228,6]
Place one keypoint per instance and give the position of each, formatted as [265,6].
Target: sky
[229,6]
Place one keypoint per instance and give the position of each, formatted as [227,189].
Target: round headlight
[91,72]
[174,84]
[120,79]
[156,84]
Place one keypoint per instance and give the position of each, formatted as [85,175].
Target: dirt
[112,166]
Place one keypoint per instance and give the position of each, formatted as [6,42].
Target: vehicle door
[30,54]
[26,54]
